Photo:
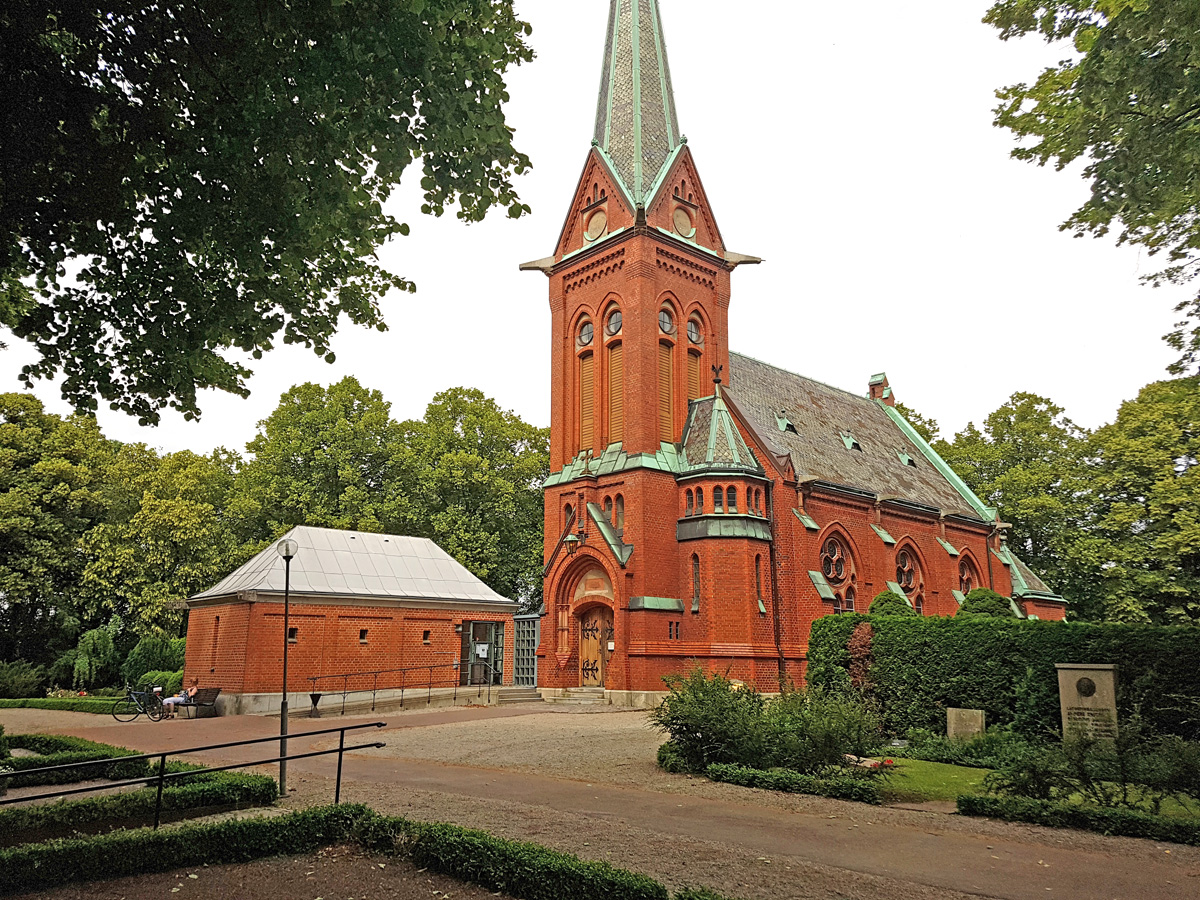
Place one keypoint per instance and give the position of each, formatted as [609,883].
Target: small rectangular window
[362,635]
[425,637]
[293,635]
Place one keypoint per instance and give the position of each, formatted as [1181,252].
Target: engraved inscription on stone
[1088,695]
[964,724]
[1098,723]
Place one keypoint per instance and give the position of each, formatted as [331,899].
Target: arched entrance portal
[593,602]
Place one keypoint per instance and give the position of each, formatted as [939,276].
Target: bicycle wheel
[154,708]
[125,710]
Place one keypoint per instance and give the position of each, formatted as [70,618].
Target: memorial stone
[964,724]
[1088,695]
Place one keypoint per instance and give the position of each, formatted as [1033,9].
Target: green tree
[50,473]
[1029,461]
[986,604]
[219,170]
[325,457]
[1147,488]
[889,603]
[473,477]
[926,427]
[1127,101]
[167,534]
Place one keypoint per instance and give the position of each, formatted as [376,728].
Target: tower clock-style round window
[694,334]
[906,571]
[614,322]
[586,332]
[833,561]
[597,224]
[666,322]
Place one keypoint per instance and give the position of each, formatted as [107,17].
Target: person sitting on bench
[184,696]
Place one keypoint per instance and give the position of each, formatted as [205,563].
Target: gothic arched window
[620,513]
[835,561]
[908,572]
[699,501]
[968,578]
[689,507]
[731,500]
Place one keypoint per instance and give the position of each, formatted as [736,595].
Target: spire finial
[717,370]
[636,124]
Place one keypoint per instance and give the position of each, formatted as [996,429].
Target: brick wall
[247,655]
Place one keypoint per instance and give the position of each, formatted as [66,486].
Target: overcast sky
[850,145]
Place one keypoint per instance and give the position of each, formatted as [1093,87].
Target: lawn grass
[914,780]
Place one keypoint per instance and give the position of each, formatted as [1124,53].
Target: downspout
[988,551]
[775,596]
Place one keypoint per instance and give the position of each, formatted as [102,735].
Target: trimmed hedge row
[527,870]
[209,789]
[1005,667]
[1088,818]
[100,706]
[3,744]
[170,682]
[838,788]
[56,750]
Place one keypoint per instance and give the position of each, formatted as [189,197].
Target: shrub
[812,731]
[1089,818]
[21,679]
[154,653]
[205,790]
[709,720]
[984,602]
[57,750]
[920,666]
[670,760]
[986,751]
[889,603]
[523,870]
[858,788]
[95,659]
[96,706]
[170,682]
[3,744]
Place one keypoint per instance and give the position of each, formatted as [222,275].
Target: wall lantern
[572,541]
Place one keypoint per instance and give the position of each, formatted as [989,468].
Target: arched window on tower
[666,398]
[608,509]
[690,505]
[731,500]
[616,394]
[695,583]
[718,500]
[620,513]
[587,402]
[568,516]
[699,501]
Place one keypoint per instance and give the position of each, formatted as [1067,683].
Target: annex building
[705,506]
[366,612]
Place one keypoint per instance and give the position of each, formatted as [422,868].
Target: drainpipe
[988,550]
[775,596]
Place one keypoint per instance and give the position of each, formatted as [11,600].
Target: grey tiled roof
[711,440]
[820,415]
[635,69]
[1032,581]
[359,565]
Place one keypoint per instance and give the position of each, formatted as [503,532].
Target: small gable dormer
[680,206]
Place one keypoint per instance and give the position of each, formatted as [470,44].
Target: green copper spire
[636,125]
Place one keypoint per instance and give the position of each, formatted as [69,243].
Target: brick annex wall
[247,656]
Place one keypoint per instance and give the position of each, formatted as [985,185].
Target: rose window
[906,571]
[833,561]
[966,578]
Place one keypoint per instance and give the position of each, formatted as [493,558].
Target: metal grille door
[528,629]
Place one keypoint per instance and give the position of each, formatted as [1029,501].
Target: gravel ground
[336,873]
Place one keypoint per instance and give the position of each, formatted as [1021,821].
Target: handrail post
[429,695]
[162,776]
[374,691]
[345,688]
[337,793]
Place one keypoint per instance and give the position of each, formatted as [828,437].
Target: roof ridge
[832,387]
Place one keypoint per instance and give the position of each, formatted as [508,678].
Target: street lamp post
[287,549]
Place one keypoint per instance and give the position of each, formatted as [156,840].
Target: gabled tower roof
[636,125]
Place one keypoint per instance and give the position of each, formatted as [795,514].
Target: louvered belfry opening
[694,376]
[616,394]
[666,404]
[587,403]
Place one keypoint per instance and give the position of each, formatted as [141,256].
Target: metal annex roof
[359,565]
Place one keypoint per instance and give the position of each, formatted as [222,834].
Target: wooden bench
[206,698]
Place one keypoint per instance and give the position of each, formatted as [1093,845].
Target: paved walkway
[1011,862]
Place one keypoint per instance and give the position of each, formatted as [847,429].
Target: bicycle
[135,703]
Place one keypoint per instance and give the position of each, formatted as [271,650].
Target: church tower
[639,299]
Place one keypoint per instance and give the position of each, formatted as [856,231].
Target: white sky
[852,147]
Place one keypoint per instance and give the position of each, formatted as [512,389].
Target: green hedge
[3,744]
[843,787]
[208,789]
[1006,668]
[1089,818]
[100,706]
[527,870]
[170,682]
[57,750]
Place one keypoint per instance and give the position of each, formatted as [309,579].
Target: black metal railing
[411,678]
[162,777]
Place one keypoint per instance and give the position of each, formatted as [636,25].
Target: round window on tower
[614,322]
[586,333]
[695,335]
[597,225]
[685,226]
[666,321]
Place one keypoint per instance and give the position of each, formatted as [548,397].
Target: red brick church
[705,506]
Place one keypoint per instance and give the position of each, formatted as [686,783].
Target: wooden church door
[595,634]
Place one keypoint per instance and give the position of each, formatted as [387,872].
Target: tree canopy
[183,182]
[1128,102]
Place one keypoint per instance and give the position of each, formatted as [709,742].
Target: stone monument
[1088,694]
[964,724]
